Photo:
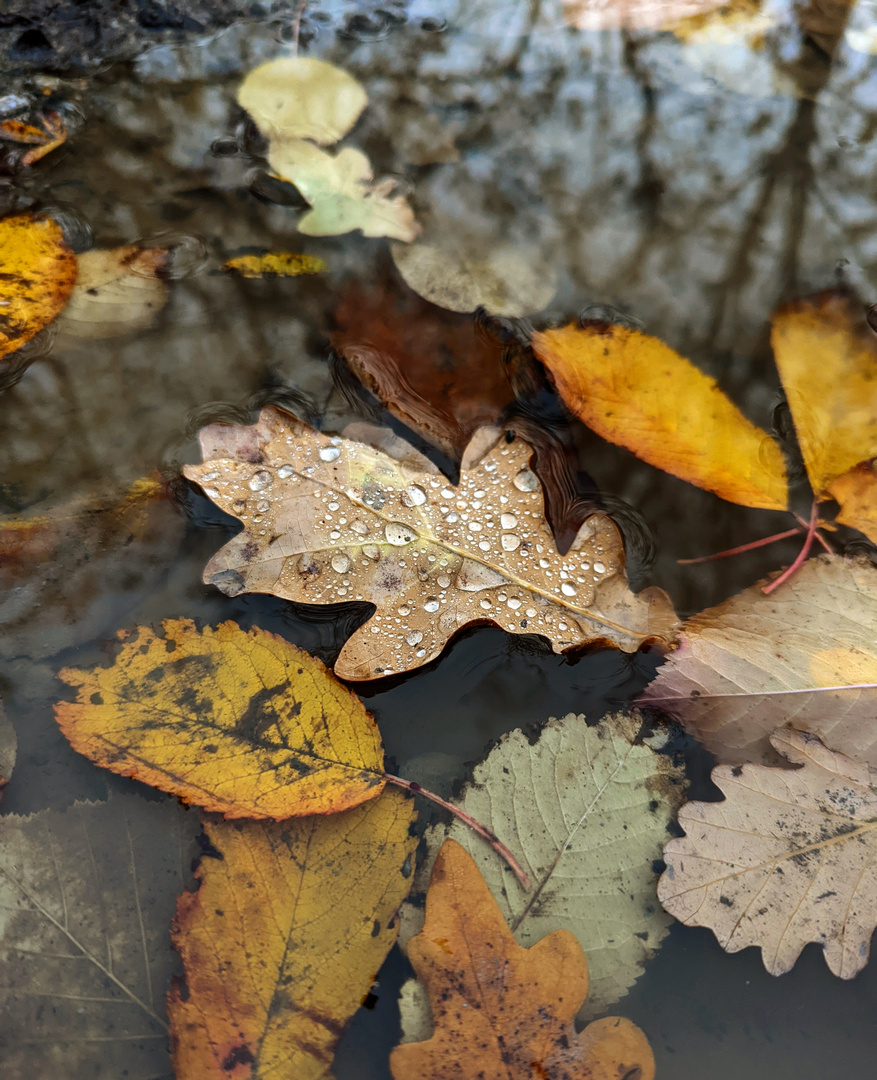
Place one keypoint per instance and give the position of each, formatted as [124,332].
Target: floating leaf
[37,275]
[635,391]
[298,97]
[8,748]
[788,858]
[585,810]
[340,521]
[341,192]
[807,655]
[633,14]
[86,898]
[240,723]
[856,492]
[117,291]
[275,264]
[502,1010]
[505,281]
[284,938]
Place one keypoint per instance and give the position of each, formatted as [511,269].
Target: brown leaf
[328,520]
[788,858]
[755,662]
[117,290]
[501,1011]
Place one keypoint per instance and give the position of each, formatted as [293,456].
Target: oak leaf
[284,937]
[86,898]
[117,290]
[586,810]
[806,655]
[37,271]
[240,723]
[503,1011]
[788,858]
[328,520]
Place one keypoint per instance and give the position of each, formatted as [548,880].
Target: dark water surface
[687,186]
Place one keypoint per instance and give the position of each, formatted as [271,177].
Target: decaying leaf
[37,275]
[86,899]
[585,810]
[240,723]
[635,391]
[341,192]
[298,97]
[275,264]
[328,520]
[788,858]
[753,663]
[502,1010]
[856,492]
[8,748]
[504,281]
[632,14]
[117,291]
[284,938]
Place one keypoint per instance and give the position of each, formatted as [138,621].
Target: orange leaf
[283,938]
[635,391]
[856,492]
[240,723]
[503,1012]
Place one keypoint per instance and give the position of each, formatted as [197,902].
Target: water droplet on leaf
[398,534]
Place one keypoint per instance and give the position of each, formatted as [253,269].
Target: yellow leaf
[37,275]
[503,1011]
[827,359]
[632,14]
[118,290]
[275,264]
[240,723]
[856,492]
[635,391]
[298,97]
[284,937]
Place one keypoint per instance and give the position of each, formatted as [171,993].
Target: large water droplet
[285,471]
[443,581]
[510,541]
[404,610]
[341,563]
[599,568]
[514,603]
[526,480]
[263,506]
[359,527]
[330,453]
[508,521]
[568,589]
[474,526]
[531,613]
[414,638]
[447,493]
[372,551]
[431,604]
[485,604]
[259,480]
[414,496]
[451,518]
[398,534]
[544,563]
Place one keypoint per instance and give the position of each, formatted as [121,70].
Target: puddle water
[682,183]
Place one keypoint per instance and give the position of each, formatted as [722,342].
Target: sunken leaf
[788,858]
[86,899]
[329,520]
[284,937]
[585,810]
[117,290]
[502,1010]
[237,722]
[756,662]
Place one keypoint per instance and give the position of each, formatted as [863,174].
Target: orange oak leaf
[503,1012]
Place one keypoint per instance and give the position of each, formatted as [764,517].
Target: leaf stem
[818,535]
[743,547]
[802,554]
[482,830]
[296,26]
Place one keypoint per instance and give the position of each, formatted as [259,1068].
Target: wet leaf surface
[275,264]
[117,290]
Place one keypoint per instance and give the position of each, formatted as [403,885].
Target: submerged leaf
[8,748]
[275,264]
[86,898]
[635,391]
[789,857]
[37,275]
[240,723]
[585,810]
[284,937]
[633,14]
[117,291]
[755,662]
[298,97]
[328,520]
[502,1010]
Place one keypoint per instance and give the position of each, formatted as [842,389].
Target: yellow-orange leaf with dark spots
[284,937]
[238,722]
[37,275]
[503,1012]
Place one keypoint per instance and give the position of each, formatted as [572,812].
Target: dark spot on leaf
[238,1055]
[96,699]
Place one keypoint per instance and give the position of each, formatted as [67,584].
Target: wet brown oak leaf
[788,858]
[503,1012]
[327,520]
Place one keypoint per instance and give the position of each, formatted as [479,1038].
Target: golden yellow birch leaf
[328,520]
[241,723]
[297,97]
[284,937]
[856,492]
[806,654]
[500,1010]
[117,290]
[37,275]
[636,392]
[789,857]
[275,264]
